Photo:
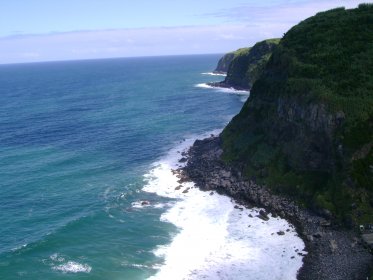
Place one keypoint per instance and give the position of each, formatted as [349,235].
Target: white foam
[217,240]
[57,257]
[141,266]
[73,267]
[19,247]
[203,85]
[59,263]
[148,204]
[224,89]
[214,74]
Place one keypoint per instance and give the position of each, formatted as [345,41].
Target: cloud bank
[290,11]
[131,42]
[245,26]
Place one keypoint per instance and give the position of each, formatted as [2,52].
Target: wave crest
[217,239]
[73,267]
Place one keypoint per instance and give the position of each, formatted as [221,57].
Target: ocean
[87,191]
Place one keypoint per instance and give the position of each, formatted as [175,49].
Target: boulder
[263,215]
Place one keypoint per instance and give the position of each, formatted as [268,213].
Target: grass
[307,128]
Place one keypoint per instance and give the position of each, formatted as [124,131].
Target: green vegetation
[226,60]
[248,63]
[307,129]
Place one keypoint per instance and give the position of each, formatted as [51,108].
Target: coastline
[333,252]
[228,243]
[222,84]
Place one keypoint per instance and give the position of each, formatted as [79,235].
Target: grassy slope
[226,60]
[307,129]
[248,63]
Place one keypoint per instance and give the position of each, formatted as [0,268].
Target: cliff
[245,65]
[248,64]
[224,62]
[307,128]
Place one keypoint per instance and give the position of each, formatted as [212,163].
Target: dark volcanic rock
[333,253]
[263,215]
[183,159]
[186,190]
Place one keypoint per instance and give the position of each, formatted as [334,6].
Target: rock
[326,213]
[225,174]
[225,183]
[333,245]
[325,223]
[204,168]
[178,187]
[281,232]
[145,202]
[263,213]
[183,159]
[238,207]
[211,193]
[263,218]
[318,234]
[186,190]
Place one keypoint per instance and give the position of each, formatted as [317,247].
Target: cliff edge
[307,128]
[245,65]
[224,62]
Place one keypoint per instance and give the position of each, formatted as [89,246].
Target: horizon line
[109,58]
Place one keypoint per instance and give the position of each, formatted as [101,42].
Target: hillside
[245,65]
[224,62]
[307,128]
[248,64]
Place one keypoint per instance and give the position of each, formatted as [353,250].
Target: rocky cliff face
[247,64]
[224,63]
[310,113]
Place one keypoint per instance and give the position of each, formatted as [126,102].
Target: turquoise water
[87,191]
[76,139]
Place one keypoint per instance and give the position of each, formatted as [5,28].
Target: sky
[52,30]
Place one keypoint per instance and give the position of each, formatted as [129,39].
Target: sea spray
[214,74]
[244,94]
[218,239]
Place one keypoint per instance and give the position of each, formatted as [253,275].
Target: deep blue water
[76,139]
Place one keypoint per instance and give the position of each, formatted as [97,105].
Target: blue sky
[45,30]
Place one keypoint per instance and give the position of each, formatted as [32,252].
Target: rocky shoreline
[225,85]
[333,252]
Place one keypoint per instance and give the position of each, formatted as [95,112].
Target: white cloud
[131,42]
[253,23]
[290,12]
